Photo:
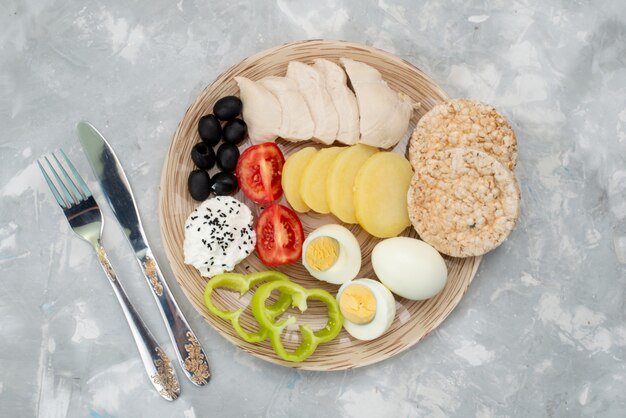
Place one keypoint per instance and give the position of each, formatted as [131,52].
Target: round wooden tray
[413,321]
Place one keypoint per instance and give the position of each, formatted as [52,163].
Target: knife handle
[192,358]
[155,361]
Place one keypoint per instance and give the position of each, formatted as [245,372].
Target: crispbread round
[463,202]
[463,123]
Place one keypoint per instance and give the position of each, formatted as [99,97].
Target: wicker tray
[413,321]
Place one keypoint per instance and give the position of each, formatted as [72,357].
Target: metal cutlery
[118,193]
[85,218]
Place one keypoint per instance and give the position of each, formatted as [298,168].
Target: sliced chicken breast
[343,98]
[261,111]
[312,85]
[296,123]
[384,113]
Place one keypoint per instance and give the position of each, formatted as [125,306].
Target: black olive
[227,156]
[227,108]
[209,129]
[235,131]
[199,184]
[224,183]
[203,156]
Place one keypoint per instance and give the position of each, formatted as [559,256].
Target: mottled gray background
[541,331]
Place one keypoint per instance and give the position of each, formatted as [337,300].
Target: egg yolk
[322,253]
[358,304]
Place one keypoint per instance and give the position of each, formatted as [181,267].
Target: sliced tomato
[259,170]
[279,236]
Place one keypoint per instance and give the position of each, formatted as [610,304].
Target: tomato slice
[279,236]
[259,170]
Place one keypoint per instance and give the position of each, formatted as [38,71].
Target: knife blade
[117,191]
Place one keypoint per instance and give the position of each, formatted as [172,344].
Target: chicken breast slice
[384,113]
[312,85]
[296,123]
[261,111]
[343,98]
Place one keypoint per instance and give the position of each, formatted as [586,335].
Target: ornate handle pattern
[190,354]
[155,361]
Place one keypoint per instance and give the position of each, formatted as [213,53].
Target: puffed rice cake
[463,123]
[463,202]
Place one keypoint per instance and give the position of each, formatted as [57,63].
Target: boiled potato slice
[340,181]
[313,184]
[292,174]
[380,191]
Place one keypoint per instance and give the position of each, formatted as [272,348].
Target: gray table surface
[541,331]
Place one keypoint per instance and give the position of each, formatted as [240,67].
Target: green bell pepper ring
[241,284]
[299,295]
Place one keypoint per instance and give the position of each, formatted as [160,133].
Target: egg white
[409,267]
[385,311]
[348,262]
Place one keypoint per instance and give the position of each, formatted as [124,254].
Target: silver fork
[84,216]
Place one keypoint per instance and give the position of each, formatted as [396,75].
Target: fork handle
[155,360]
[190,354]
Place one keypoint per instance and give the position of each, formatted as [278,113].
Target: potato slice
[292,174]
[380,194]
[313,183]
[340,181]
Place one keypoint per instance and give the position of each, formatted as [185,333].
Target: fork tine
[77,176]
[68,197]
[78,196]
[52,187]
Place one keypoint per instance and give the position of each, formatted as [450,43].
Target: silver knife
[117,191]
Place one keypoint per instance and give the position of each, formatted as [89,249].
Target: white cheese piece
[218,235]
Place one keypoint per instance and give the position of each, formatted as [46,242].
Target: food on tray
[227,156]
[313,182]
[332,254]
[235,131]
[261,112]
[203,156]
[279,236]
[259,172]
[463,202]
[315,102]
[293,170]
[240,283]
[340,180]
[218,235]
[227,108]
[463,123]
[380,191]
[223,183]
[299,295]
[199,184]
[368,308]
[312,85]
[290,293]
[356,184]
[409,267]
[384,113]
[210,130]
[296,122]
[343,99]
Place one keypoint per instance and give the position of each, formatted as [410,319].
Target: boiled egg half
[332,254]
[368,308]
